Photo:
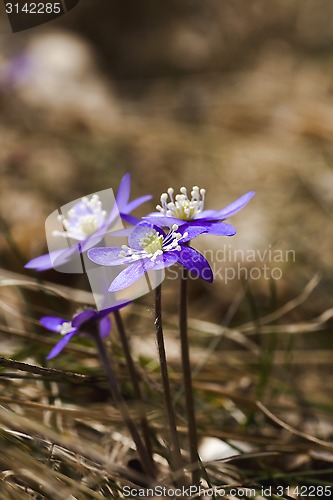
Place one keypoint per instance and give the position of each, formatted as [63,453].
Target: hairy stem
[176,459]
[187,378]
[136,385]
[121,405]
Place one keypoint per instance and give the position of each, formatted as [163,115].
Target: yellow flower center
[151,242]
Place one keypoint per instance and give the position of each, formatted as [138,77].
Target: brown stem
[187,378]
[121,404]
[176,459]
[135,382]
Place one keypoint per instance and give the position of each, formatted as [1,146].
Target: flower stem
[176,459]
[135,382]
[121,404]
[187,378]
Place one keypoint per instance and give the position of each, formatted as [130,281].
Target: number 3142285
[33,8]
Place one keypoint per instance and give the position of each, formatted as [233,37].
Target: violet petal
[52,323]
[220,229]
[137,202]
[162,220]
[123,193]
[104,327]
[60,345]
[195,263]
[105,256]
[235,206]
[129,276]
[83,317]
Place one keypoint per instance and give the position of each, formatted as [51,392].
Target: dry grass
[62,437]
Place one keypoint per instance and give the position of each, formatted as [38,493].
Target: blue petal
[119,304]
[60,345]
[83,317]
[135,271]
[236,206]
[41,263]
[130,219]
[105,256]
[123,193]
[136,203]
[192,230]
[208,215]
[52,323]
[220,229]
[163,220]
[139,232]
[104,327]
[50,260]
[165,260]
[110,220]
[195,263]
[123,232]
[129,276]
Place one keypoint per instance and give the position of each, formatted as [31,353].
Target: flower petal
[136,203]
[52,323]
[123,232]
[104,327]
[119,304]
[192,230]
[83,317]
[123,193]
[105,256]
[195,263]
[60,345]
[208,215]
[161,220]
[220,229]
[129,276]
[52,259]
[163,261]
[130,219]
[41,263]
[235,206]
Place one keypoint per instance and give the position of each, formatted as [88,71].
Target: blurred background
[231,96]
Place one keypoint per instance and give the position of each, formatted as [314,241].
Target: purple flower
[151,249]
[15,72]
[86,222]
[82,322]
[182,211]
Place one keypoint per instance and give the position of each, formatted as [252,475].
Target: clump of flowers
[149,247]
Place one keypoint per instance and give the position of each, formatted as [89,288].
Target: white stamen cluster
[84,219]
[181,206]
[153,244]
[65,328]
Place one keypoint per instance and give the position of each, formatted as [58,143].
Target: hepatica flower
[182,210]
[86,221]
[83,323]
[150,248]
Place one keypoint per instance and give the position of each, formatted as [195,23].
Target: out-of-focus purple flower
[86,222]
[81,323]
[151,249]
[182,210]
[15,72]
